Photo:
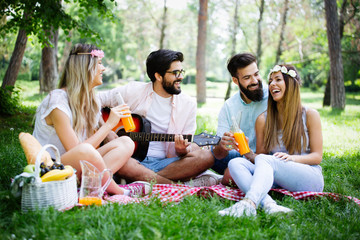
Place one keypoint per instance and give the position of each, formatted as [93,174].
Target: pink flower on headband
[97,53]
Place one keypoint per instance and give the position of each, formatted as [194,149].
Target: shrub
[9,100]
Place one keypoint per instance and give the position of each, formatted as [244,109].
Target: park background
[208,33]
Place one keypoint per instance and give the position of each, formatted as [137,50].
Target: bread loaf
[31,147]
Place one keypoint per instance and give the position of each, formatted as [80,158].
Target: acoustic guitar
[142,135]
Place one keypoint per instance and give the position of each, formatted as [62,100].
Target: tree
[200,53]
[259,39]
[233,43]
[40,17]
[336,68]
[345,17]
[163,26]
[15,60]
[161,23]
[49,68]
[283,25]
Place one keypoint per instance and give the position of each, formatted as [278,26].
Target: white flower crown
[284,70]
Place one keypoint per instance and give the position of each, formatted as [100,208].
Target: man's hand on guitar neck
[181,145]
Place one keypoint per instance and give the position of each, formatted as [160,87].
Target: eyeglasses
[177,72]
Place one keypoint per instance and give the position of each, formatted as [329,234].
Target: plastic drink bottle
[127,122]
[240,138]
[242,143]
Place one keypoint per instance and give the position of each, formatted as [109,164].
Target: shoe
[202,181]
[273,208]
[215,175]
[138,188]
[242,208]
[206,179]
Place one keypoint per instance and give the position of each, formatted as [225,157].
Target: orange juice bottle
[90,201]
[240,138]
[127,122]
[242,143]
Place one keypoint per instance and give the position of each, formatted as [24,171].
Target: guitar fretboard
[157,137]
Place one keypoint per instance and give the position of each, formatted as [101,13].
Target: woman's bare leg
[117,152]
[85,151]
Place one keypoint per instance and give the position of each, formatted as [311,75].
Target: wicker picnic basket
[57,194]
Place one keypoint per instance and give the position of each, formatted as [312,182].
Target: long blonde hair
[293,132]
[79,72]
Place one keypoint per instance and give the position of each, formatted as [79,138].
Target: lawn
[195,217]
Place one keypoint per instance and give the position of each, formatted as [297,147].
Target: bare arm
[63,128]
[260,133]
[67,135]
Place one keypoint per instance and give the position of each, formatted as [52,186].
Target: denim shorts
[157,164]
[221,164]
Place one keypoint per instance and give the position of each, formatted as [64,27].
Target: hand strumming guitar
[181,145]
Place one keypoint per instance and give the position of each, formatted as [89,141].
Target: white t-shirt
[44,133]
[159,116]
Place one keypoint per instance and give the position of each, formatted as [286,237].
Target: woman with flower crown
[68,118]
[288,149]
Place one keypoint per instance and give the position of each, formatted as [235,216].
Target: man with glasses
[169,111]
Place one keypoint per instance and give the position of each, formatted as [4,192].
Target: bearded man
[169,112]
[243,108]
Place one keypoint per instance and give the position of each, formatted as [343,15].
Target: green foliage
[9,100]
[40,17]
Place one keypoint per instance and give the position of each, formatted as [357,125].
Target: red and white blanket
[176,192]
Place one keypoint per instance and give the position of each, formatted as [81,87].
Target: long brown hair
[79,72]
[293,132]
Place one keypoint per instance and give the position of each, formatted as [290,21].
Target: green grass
[195,217]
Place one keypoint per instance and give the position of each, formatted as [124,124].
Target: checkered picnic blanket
[176,192]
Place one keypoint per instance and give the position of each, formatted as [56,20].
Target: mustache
[253,85]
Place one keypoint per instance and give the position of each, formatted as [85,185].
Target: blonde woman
[68,117]
[290,138]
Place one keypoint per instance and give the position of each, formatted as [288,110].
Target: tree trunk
[65,55]
[163,27]
[200,53]
[49,74]
[327,98]
[15,60]
[336,66]
[233,41]
[342,23]
[283,25]
[259,40]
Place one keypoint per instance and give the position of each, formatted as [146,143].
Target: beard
[170,87]
[253,95]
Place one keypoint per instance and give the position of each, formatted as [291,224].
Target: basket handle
[38,158]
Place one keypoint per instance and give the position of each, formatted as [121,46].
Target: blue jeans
[268,172]
[157,164]
[221,164]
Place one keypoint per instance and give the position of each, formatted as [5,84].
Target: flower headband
[284,70]
[94,53]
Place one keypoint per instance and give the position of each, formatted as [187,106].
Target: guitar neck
[157,137]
